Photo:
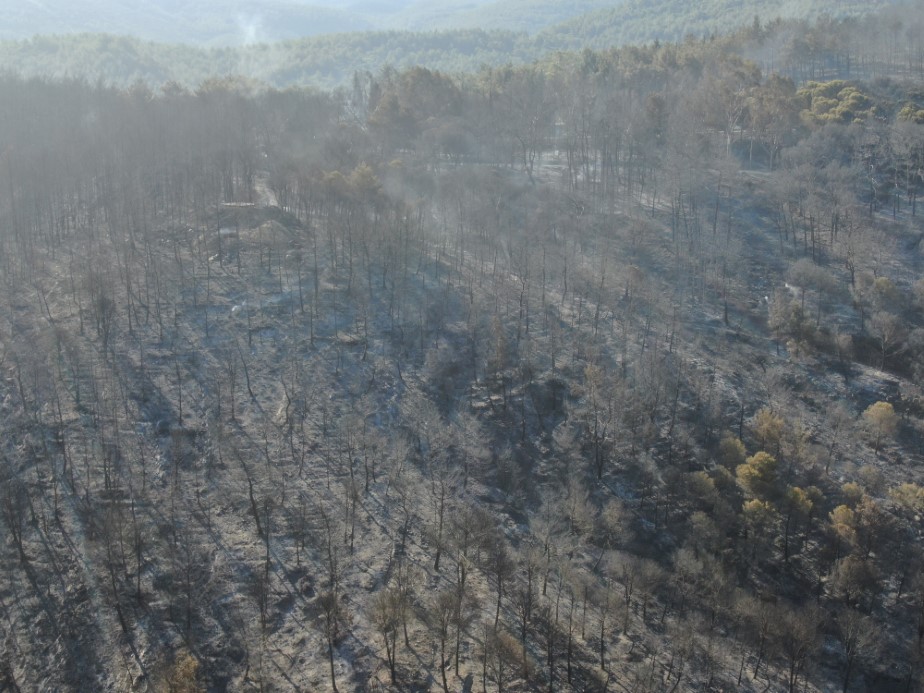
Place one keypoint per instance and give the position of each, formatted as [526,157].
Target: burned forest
[600,373]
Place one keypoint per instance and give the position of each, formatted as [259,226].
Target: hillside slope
[510,15]
[224,22]
[844,49]
[643,21]
[574,24]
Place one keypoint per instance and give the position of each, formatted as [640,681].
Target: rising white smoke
[251,28]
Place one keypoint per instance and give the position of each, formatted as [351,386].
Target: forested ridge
[602,372]
[781,38]
[236,22]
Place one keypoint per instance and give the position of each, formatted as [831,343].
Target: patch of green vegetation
[837,101]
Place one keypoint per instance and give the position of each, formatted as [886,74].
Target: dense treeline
[639,22]
[599,372]
[849,47]
[235,22]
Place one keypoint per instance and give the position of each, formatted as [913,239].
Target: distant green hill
[323,61]
[171,21]
[330,60]
[642,21]
[236,22]
[563,22]
[509,15]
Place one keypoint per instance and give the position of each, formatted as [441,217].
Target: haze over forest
[289,43]
[462,346]
[236,22]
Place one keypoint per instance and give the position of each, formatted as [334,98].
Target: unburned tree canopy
[768,426]
[731,451]
[908,496]
[843,523]
[882,420]
[798,501]
[757,476]
[853,492]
